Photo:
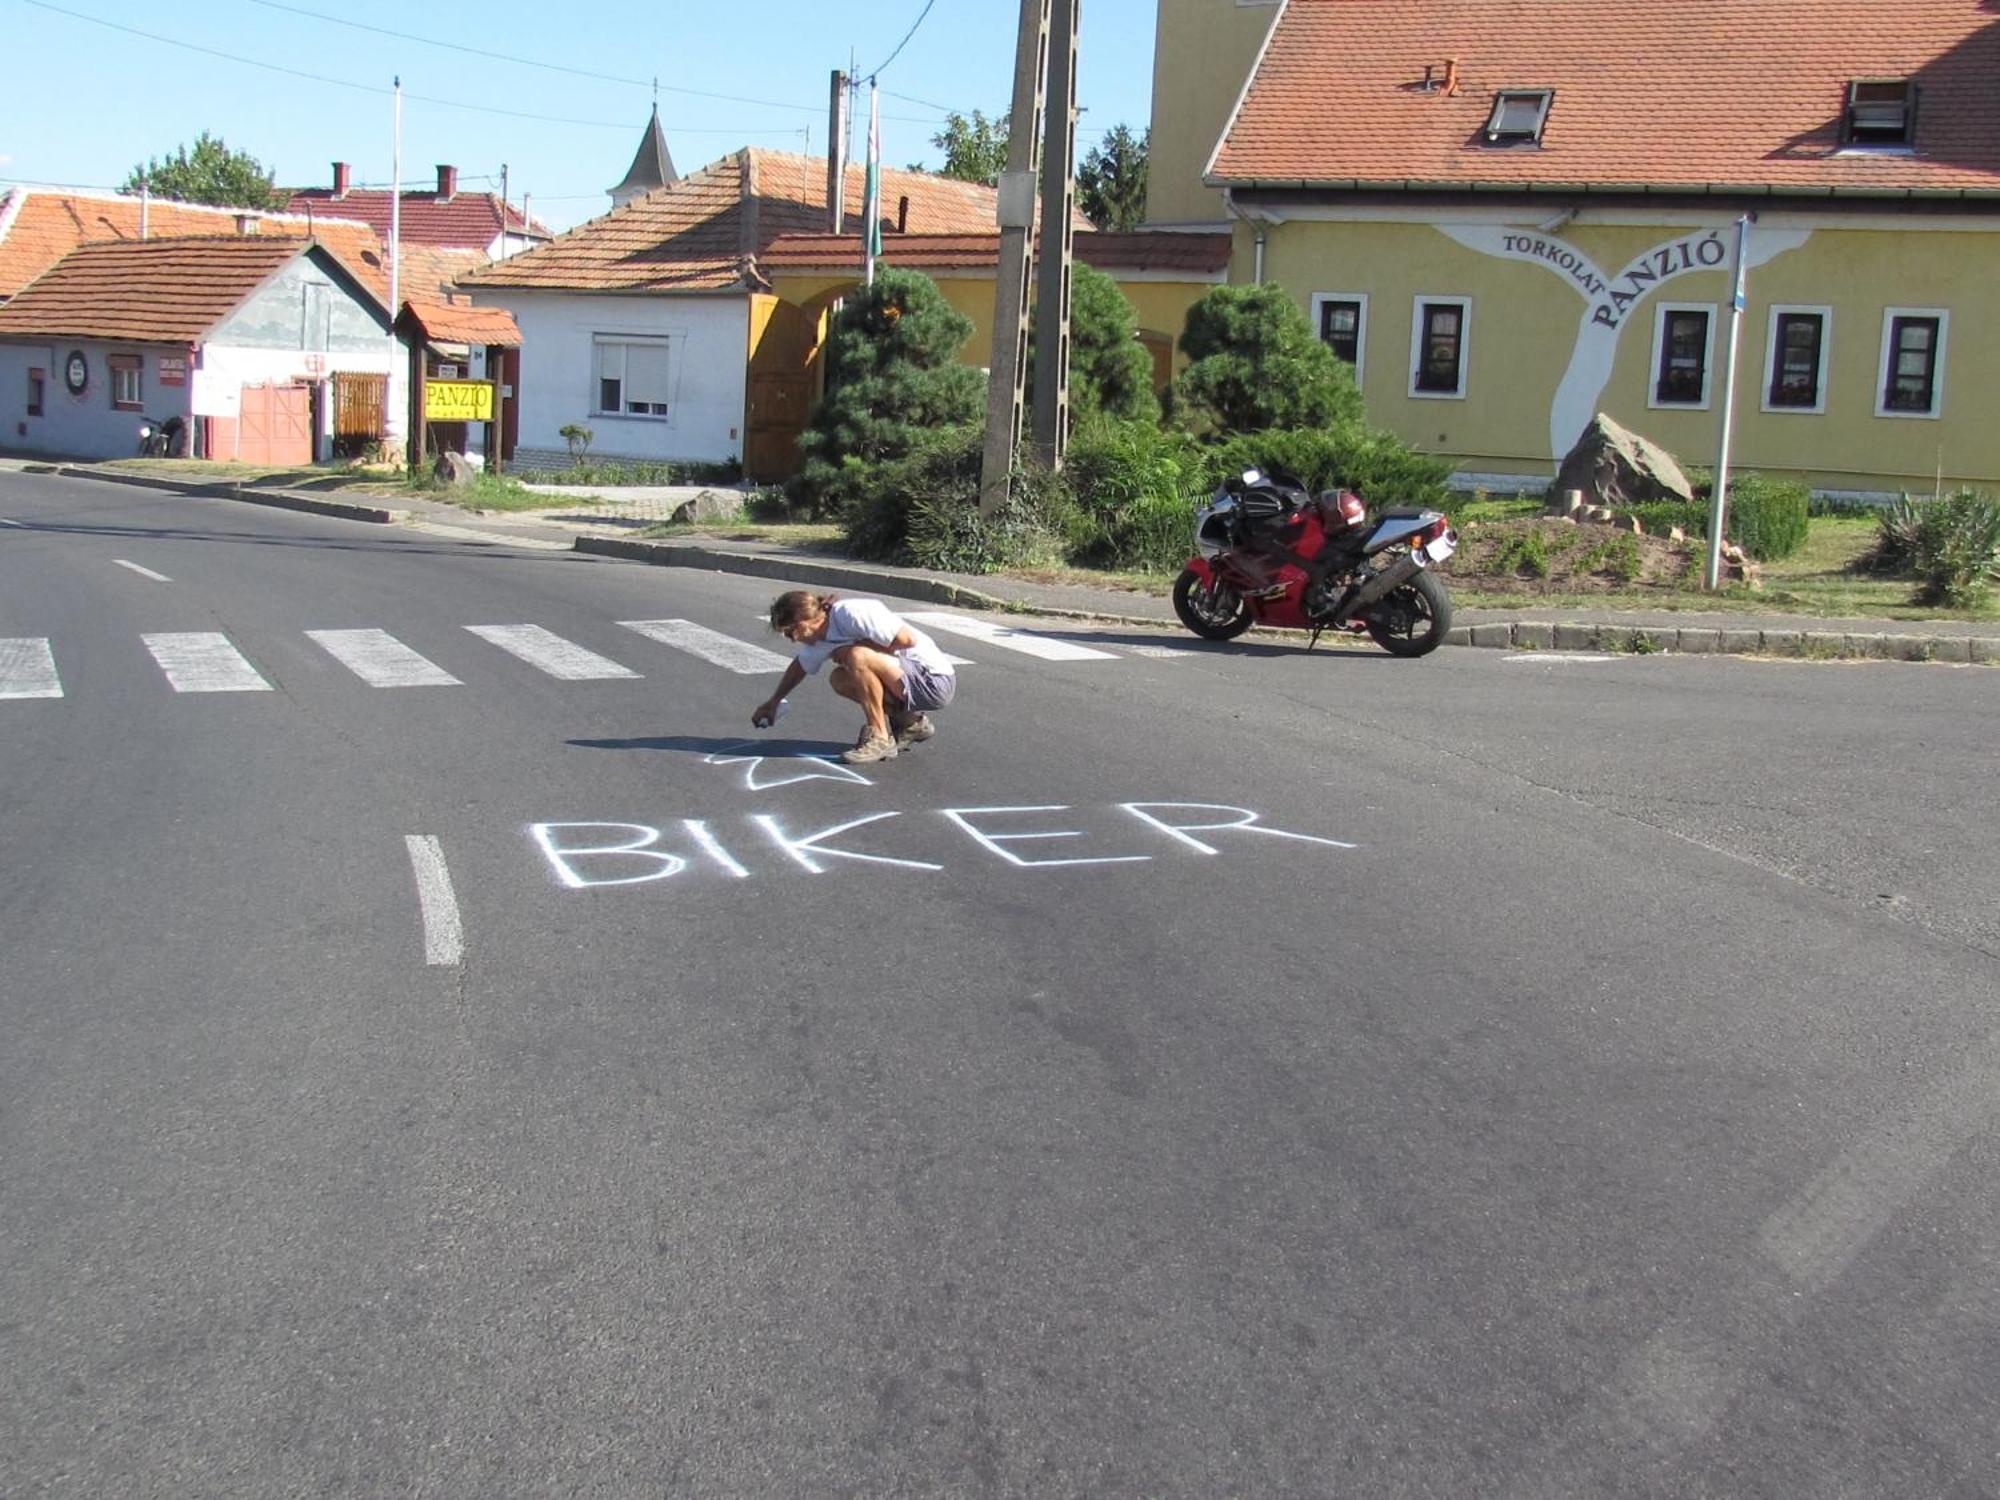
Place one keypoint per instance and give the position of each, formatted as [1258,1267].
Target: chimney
[447,183]
[246,224]
[1450,76]
[342,175]
[903,214]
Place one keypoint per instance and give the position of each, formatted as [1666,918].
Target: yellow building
[1510,218]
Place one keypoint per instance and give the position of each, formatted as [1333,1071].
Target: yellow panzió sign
[458,401]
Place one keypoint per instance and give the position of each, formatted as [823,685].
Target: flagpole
[871,198]
[395,258]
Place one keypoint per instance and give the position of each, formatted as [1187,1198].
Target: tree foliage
[1255,364]
[892,376]
[1111,182]
[1110,371]
[211,173]
[975,148]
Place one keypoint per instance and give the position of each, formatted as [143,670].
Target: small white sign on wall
[214,395]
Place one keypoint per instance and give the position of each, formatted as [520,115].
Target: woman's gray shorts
[924,689]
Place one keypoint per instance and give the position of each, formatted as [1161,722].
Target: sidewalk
[606,532]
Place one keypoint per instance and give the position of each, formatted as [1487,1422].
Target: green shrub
[1617,556]
[1255,363]
[1958,549]
[1898,535]
[1127,496]
[893,382]
[943,468]
[1767,517]
[1525,552]
[1110,371]
[1378,466]
[1661,516]
[768,503]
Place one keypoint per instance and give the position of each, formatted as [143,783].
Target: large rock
[1614,467]
[710,505]
[454,470]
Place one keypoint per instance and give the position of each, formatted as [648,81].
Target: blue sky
[85,101]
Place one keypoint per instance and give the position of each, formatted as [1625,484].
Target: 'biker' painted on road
[586,855]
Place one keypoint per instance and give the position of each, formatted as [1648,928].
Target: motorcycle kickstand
[1315,637]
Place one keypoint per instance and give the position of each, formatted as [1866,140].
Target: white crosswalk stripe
[956,661]
[380,660]
[28,669]
[203,661]
[550,653]
[710,645]
[1048,648]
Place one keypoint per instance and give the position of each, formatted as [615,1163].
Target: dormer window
[1880,112]
[1518,116]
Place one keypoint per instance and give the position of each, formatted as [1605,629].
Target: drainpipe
[1259,221]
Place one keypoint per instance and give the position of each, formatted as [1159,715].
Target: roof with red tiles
[1698,95]
[462,323]
[708,231]
[162,291]
[463,221]
[1199,257]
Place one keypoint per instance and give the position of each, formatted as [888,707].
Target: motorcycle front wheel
[1215,612]
[1413,620]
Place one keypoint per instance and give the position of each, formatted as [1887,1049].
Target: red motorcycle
[1269,553]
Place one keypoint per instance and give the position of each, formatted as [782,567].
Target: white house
[268,350]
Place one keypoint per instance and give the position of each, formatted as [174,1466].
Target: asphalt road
[1565,1077]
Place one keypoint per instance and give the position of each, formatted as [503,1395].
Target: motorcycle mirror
[1251,476]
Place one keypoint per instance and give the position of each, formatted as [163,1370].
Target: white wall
[85,425]
[708,362]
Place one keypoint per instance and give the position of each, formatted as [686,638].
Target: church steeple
[652,168]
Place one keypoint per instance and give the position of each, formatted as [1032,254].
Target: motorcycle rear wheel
[1215,612]
[1413,620]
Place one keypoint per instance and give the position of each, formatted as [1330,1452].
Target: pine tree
[1111,182]
[1255,364]
[1110,371]
[893,379]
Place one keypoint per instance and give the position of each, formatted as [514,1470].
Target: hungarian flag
[871,194]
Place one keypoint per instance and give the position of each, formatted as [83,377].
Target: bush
[1378,466]
[1255,364]
[893,381]
[1661,516]
[1767,517]
[1950,546]
[1110,372]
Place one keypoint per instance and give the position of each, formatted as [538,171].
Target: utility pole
[1718,510]
[836,153]
[1005,384]
[1052,279]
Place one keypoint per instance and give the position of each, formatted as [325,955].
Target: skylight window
[1518,116]
[1880,112]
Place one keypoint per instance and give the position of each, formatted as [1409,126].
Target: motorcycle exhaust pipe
[1377,588]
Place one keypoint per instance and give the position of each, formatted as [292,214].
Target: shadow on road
[722,750]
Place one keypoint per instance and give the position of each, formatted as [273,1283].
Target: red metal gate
[275,426]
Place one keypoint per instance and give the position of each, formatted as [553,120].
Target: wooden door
[780,392]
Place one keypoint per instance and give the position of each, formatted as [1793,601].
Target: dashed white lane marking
[956,661]
[549,652]
[5,522]
[710,645]
[142,572]
[203,661]
[28,669]
[1555,657]
[1048,648]
[1161,653]
[380,660]
[444,935]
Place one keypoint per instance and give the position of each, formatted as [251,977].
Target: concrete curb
[224,490]
[1504,635]
[837,575]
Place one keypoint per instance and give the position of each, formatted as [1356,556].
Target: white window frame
[1320,299]
[1660,312]
[1417,306]
[124,370]
[1889,316]
[598,342]
[1772,353]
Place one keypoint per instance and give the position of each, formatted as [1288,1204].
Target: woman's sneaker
[911,729]
[870,747]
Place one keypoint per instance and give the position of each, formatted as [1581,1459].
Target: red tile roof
[465,221]
[1694,95]
[708,231]
[462,323]
[1198,256]
[149,291]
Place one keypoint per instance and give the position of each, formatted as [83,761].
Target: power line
[366,88]
[906,39]
[528,62]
